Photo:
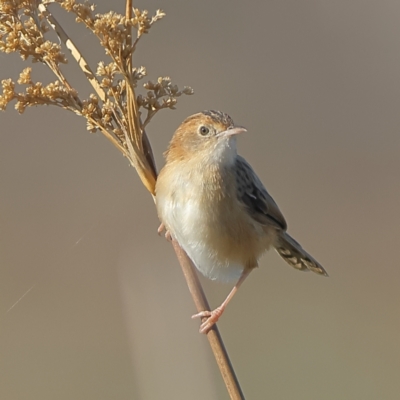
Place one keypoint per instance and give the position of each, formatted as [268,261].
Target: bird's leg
[213,316]
[160,230]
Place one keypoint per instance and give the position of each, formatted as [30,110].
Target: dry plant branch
[114,109]
[213,336]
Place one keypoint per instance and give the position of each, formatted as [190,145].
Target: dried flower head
[116,110]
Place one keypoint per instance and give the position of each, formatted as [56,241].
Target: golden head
[207,136]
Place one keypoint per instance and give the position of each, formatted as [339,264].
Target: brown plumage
[211,201]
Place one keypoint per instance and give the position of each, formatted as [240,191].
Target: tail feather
[296,256]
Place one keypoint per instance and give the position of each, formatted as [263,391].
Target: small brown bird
[211,201]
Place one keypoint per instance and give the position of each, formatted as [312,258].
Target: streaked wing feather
[251,192]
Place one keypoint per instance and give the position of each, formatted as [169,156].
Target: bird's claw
[212,318]
[160,230]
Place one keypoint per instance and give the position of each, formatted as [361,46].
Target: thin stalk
[213,336]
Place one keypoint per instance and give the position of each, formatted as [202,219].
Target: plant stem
[213,336]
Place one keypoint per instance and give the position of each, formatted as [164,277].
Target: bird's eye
[203,130]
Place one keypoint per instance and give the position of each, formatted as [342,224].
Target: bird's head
[208,137]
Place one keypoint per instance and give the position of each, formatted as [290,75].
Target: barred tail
[296,256]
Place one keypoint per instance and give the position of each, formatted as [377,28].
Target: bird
[210,200]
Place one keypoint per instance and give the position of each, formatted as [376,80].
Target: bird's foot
[160,230]
[212,318]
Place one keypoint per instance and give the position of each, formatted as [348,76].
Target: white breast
[180,210]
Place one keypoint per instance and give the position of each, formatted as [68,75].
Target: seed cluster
[114,108]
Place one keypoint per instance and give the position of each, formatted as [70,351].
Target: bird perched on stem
[211,201]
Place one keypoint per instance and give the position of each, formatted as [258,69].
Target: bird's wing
[251,192]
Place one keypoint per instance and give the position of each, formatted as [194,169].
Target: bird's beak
[233,130]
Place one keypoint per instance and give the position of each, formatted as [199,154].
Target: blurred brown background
[104,312]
